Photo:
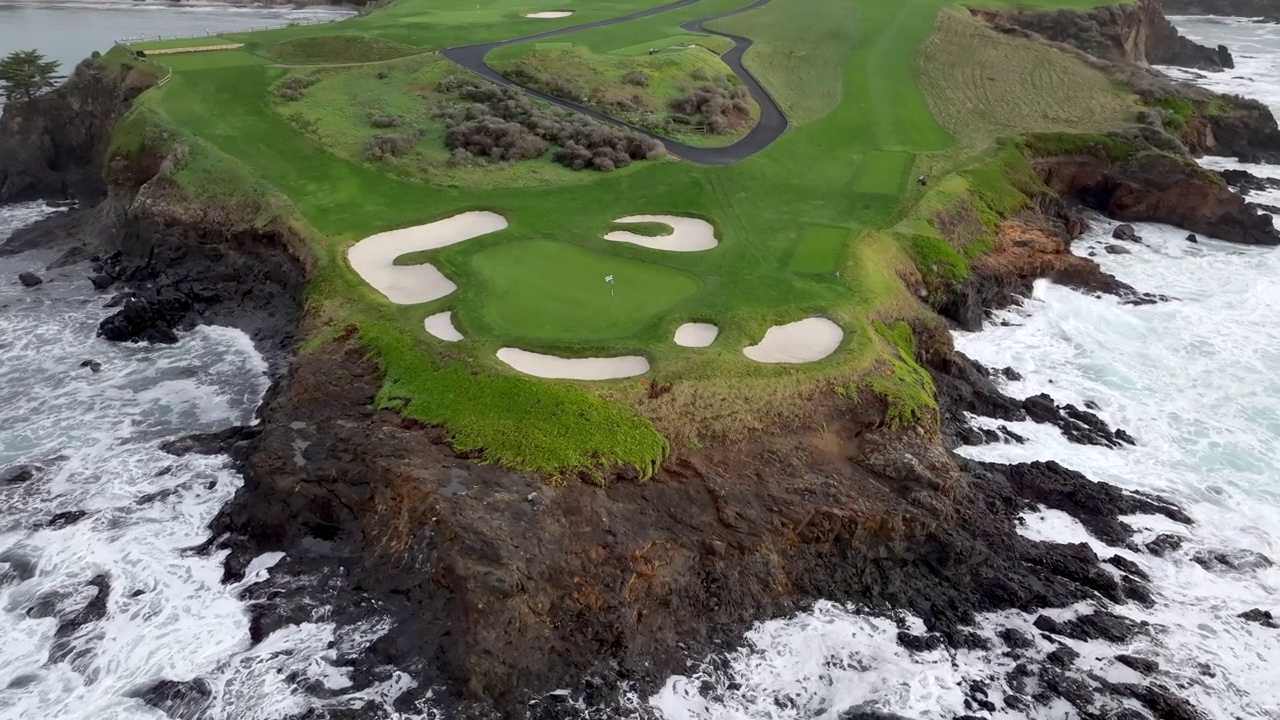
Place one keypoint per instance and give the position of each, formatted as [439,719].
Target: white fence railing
[138,39]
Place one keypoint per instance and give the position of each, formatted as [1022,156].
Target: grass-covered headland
[346,130]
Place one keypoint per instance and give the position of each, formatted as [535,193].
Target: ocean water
[96,438]
[1195,380]
[68,30]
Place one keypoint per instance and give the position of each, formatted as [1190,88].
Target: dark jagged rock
[867,711]
[102,281]
[1128,566]
[1165,543]
[1260,616]
[1231,560]
[1192,238]
[29,279]
[1098,625]
[1117,250]
[1246,182]
[1124,231]
[1010,374]
[1146,666]
[63,646]
[94,366]
[65,518]
[1079,426]
[1015,639]
[146,320]
[234,441]
[18,475]
[1063,657]
[1163,703]
[180,700]
[1097,505]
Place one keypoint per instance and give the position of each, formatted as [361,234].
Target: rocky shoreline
[503,589]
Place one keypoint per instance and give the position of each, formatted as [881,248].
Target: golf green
[545,291]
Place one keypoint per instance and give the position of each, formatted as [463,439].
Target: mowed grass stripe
[550,292]
[819,250]
[883,172]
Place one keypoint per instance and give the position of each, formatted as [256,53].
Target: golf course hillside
[749,216]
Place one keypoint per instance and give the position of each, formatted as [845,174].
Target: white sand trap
[687,234]
[549,15]
[803,341]
[550,366]
[373,257]
[696,334]
[441,325]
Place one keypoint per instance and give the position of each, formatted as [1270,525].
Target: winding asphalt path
[769,127]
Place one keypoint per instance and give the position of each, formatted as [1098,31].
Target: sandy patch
[803,341]
[550,366]
[441,326]
[549,15]
[194,48]
[373,257]
[687,234]
[696,334]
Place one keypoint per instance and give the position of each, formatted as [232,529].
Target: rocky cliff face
[1127,33]
[53,147]
[1147,183]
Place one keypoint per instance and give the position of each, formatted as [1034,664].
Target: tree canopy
[25,74]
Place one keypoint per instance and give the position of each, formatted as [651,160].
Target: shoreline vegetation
[929,171]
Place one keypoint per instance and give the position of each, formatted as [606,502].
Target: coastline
[507,541]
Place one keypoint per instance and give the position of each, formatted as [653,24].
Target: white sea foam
[168,615]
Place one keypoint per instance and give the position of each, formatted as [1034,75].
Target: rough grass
[338,49]
[335,113]
[982,84]
[602,81]
[799,51]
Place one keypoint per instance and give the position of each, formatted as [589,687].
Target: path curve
[768,128]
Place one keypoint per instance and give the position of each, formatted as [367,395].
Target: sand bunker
[441,326]
[373,257]
[549,15]
[550,366]
[696,334]
[687,234]
[804,341]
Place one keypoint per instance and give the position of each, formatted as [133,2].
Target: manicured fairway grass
[834,193]
[550,292]
[819,249]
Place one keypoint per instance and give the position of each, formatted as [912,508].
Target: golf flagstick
[609,279]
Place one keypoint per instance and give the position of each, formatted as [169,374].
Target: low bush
[293,88]
[383,122]
[716,109]
[637,78]
[380,147]
[502,124]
